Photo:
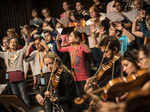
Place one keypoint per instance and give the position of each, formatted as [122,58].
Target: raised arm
[134,29]
[131,38]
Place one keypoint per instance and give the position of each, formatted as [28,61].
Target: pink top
[64,39]
[62,15]
[110,7]
[80,70]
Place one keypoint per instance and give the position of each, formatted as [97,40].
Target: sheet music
[113,16]
[131,15]
[60,30]
[65,21]
[2,87]
[85,29]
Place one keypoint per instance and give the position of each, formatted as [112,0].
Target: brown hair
[13,31]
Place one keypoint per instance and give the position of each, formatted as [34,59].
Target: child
[66,7]
[14,61]
[36,57]
[5,48]
[12,33]
[77,53]
[36,21]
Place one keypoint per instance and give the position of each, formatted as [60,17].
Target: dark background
[15,13]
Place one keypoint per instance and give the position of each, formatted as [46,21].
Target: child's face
[48,37]
[58,26]
[10,35]
[25,30]
[65,6]
[112,31]
[45,25]
[92,13]
[38,45]
[72,17]
[137,5]
[118,6]
[78,6]
[13,44]
[5,44]
[34,13]
[71,38]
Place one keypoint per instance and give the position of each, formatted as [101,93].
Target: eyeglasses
[141,59]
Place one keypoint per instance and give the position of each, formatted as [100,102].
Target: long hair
[53,55]
[97,21]
[13,31]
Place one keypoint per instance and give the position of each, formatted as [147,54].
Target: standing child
[14,61]
[5,48]
[77,53]
[36,57]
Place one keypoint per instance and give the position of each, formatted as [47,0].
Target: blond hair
[97,21]
[54,56]
[6,38]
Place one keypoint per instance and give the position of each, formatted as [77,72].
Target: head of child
[37,43]
[45,24]
[26,29]
[119,5]
[73,36]
[45,12]
[6,42]
[11,33]
[65,5]
[96,1]
[148,23]
[73,15]
[137,4]
[13,44]
[59,25]
[34,13]
[48,36]
[113,31]
[79,6]
[94,12]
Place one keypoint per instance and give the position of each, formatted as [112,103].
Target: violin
[104,71]
[119,86]
[138,101]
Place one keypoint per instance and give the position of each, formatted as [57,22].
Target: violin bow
[50,83]
[100,64]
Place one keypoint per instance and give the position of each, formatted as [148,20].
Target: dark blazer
[65,91]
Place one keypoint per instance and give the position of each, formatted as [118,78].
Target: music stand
[13,104]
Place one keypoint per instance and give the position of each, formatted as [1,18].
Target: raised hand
[40,99]
[118,26]
[92,28]
[43,42]
[58,37]
[101,30]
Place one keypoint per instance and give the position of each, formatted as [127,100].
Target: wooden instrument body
[120,85]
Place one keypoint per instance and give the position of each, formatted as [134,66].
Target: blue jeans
[80,88]
[19,89]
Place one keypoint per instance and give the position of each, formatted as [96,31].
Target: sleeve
[2,55]
[108,8]
[26,44]
[83,49]
[68,84]
[54,33]
[32,40]
[65,49]
[30,57]
[144,28]
[40,21]
[30,22]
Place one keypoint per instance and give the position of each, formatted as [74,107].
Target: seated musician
[62,96]
[113,49]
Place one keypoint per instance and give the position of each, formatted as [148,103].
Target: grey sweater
[14,60]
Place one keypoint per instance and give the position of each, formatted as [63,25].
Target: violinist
[113,49]
[63,95]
